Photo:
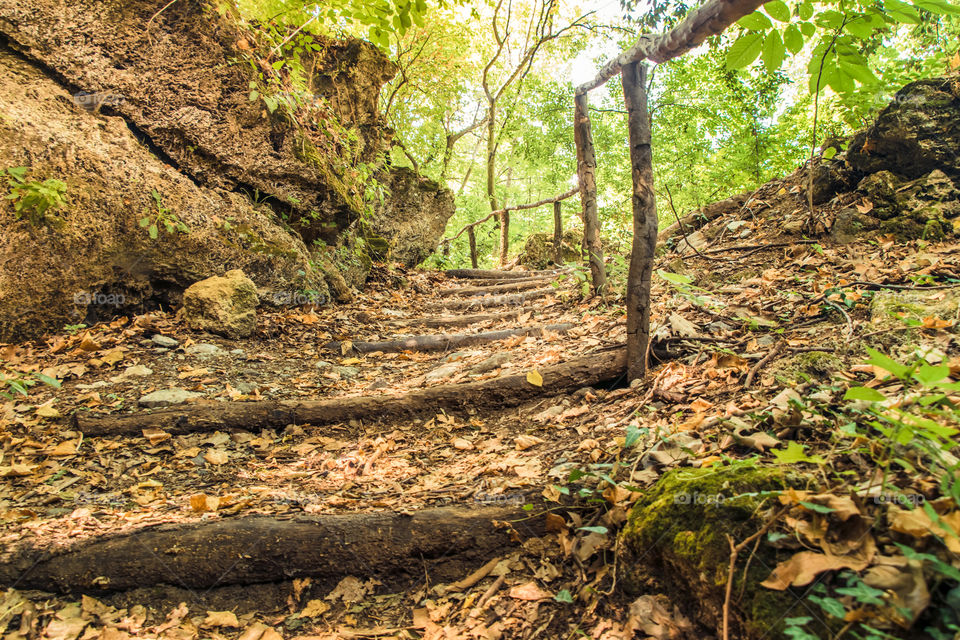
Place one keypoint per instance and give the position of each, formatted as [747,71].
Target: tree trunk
[644,219]
[557,233]
[504,236]
[586,172]
[473,247]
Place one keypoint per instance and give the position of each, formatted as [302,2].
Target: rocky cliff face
[141,113]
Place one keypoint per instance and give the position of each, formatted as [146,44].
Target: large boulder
[412,219]
[99,261]
[918,132]
[225,305]
[539,253]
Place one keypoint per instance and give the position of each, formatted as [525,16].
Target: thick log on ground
[506,391]
[444,342]
[521,284]
[493,301]
[494,273]
[693,221]
[460,321]
[261,549]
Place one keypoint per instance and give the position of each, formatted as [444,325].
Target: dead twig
[777,348]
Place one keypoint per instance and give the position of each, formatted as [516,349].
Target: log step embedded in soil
[444,342]
[494,301]
[505,391]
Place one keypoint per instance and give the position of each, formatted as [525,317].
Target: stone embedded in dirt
[225,305]
[136,371]
[203,349]
[99,384]
[442,372]
[167,397]
[495,361]
[346,372]
[164,341]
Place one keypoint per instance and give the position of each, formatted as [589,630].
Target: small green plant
[162,218]
[73,329]
[14,383]
[33,200]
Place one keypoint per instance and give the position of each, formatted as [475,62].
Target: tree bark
[504,236]
[521,284]
[473,247]
[261,549]
[505,391]
[494,301]
[644,219]
[494,274]
[557,233]
[586,172]
[445,342]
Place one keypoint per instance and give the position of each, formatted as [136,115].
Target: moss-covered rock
[678,532]
[538,252]
[818,366]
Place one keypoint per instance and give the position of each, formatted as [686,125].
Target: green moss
[680,530]
[802,367]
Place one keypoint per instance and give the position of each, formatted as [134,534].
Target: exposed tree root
[506,391]
[494,274]
[512,285]
[443,342]
[494,301]
[460,321]
[261,549]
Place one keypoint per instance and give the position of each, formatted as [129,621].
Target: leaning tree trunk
[644,219]
[586,172]
[557,233]
[473,246]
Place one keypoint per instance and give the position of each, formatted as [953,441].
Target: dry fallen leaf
[534,378]
[803,567]
[220,619]
[524,442]
[528,591]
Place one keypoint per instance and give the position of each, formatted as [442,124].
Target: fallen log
[506,391]
[444,342]
[521,284]
[459,321]
[693,221]
[493,301]
[494,273]
[262,549]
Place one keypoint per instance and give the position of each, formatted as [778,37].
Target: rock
[167,397]
[927,208]
[237,352]
[678,531]
[323,364]
[538,252]
[890,309]
[164,341]
[119,269]
[410,223]
[346,372]
[495,361]
[918,132]
[99,384]
[246,387]
[136,371]
[223,305]
[203,349]
[442,372]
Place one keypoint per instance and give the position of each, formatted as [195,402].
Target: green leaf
[793,39]
[773,51]
[901,11]
[153,232]
[144,222]
[755,21]
[674,278]
[600,530]
[864,393]
[805,10]
[829,152]
[860,72]
[47,380]
[744,51]
[18,172]
[928,374]
[778,10]
[819,508]
[937,6]
[887,363]
[633,435]
[794,453]
[807,28]
[563,596]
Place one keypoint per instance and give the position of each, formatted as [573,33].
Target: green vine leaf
[745,50]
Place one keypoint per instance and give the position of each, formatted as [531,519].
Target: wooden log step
[458,321]
[493,273]
[505,391]
[514,285]
[261,549]
[444,342]
[493,301]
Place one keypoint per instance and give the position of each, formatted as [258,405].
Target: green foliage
[15,383]
[163,218]
[33,200]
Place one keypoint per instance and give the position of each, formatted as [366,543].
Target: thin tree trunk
[644,219]
[557,233]
[504,236]
[473,247]
[586,172]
